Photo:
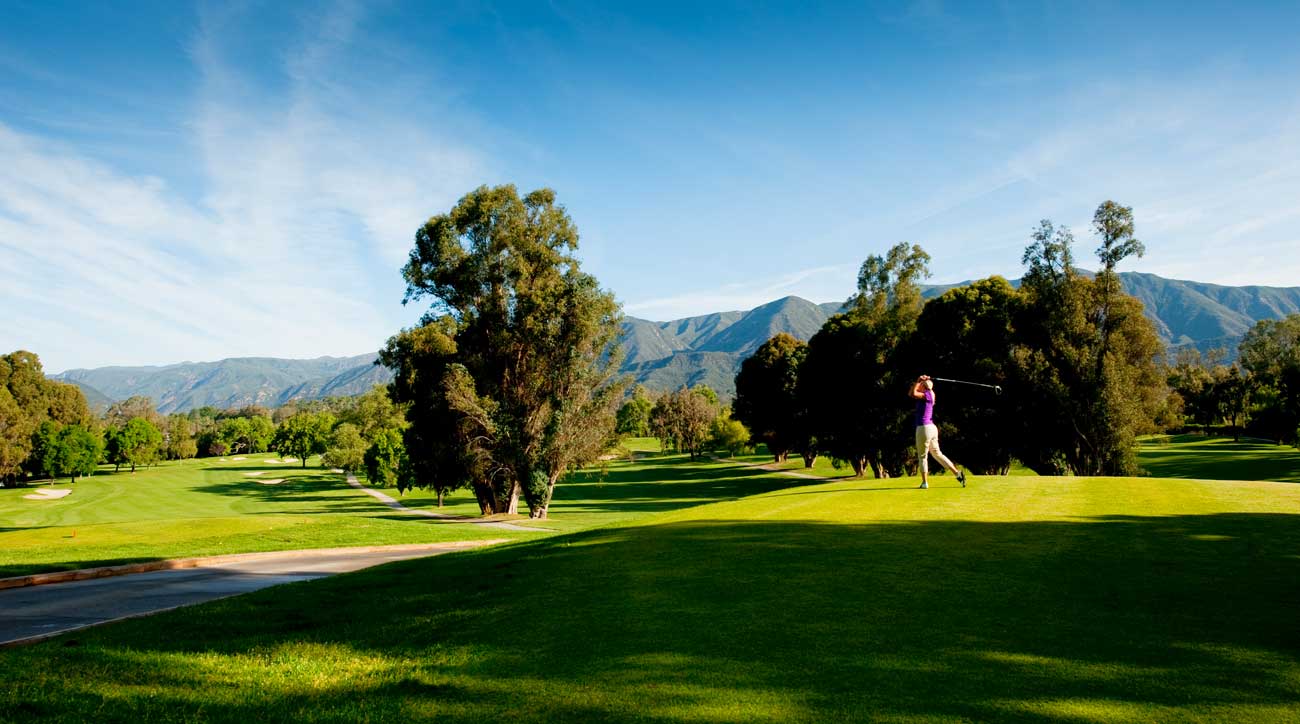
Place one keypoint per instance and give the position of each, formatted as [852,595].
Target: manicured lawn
[1032,599]
[210,507]
[200,507]
[1218,458]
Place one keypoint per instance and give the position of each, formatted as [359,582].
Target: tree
[179,438]
[44,450]
[853,378]
[374,412]
[29,400]
[346,449]
[728,434]
[766,395]
[1088,353]
[140,443]
[74,452]
[1270,352]
[385,460]
[634,416]
[235,433]
[964,333]
[123,411]
[529,380]
[683,419]
[303,435]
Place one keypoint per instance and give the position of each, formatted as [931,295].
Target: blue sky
[196,181]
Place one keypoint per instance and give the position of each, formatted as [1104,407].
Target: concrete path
[36,612]
[391,502]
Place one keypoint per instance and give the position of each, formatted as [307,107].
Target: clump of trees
[510,375]
[1075,354]
[1270,360]
[46,428]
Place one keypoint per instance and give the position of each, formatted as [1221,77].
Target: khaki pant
[927,444]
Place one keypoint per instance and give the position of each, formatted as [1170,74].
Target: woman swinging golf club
[927,433]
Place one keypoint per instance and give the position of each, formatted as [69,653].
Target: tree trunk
[133,468]
[859,467]
[540,511]
[512,506]
[304,462]
[441,493]
[877,469]
[809,459]
[486,497]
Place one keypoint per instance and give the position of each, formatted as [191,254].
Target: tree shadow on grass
[1112,618]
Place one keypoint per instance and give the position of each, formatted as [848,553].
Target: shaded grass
[1218,458]
[1026,599]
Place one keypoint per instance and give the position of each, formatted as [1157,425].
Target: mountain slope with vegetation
[707,349]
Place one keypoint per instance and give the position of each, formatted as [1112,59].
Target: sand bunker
[238,459]
[249,475]
[336,470]
[273,462]
[48,494]
[290,460]
[273,481]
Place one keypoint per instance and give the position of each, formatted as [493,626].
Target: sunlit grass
[1017,599]
[1218,458]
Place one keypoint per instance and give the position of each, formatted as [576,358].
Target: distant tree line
[1078,363]
[47,430]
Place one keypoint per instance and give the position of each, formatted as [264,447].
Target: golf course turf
[1017,599]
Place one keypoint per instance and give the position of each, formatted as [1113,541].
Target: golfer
[927,433]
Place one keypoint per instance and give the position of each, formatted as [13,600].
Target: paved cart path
[36,612]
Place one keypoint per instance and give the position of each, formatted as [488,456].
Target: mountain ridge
[705,349]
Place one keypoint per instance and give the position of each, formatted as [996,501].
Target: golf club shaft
[964,382]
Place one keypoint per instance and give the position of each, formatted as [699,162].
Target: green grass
[1018,599]
[200,507]
[210,507]
[1218,458]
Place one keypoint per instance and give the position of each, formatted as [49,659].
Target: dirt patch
[273,481]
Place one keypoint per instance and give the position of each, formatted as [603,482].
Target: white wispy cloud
[291,247]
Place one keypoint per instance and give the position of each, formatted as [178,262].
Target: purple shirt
[925,409]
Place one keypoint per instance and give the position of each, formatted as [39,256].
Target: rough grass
[1017,599]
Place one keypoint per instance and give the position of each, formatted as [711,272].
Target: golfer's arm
[917,392]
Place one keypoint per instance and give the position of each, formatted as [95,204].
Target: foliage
[138,442]
[346,449]
[1087,354]
[766,400]
[1270,352]
[964,334]
[303,435]
[179,441]
[527,378]
[28,400]
[854,376]
[728,434]
[683,420]
[385,459]
[123,411]
[74,452]
[374,413]
[633,417]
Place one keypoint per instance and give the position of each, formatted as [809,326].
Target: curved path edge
[83,574]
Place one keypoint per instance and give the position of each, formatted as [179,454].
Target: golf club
[997,390]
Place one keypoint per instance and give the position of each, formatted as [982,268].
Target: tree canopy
[526,375]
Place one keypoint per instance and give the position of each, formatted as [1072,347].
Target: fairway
[197,508]
[1218,458]
[1017,599]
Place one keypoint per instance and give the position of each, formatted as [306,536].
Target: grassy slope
[208,507]
[1023,599]
[200,507]
[1218,458]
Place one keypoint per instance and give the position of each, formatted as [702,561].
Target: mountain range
[661,355]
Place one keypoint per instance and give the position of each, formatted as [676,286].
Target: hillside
[233,382]
[707,349]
